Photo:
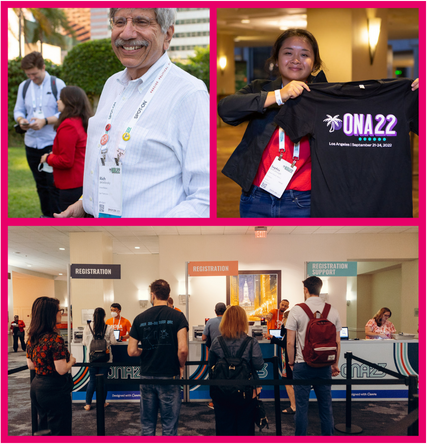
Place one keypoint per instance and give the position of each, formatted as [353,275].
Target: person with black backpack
[314,327]
[98,340]
[235,356]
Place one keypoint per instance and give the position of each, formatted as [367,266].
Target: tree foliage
[89,65]
[15,76]
[49,26]
[198,65]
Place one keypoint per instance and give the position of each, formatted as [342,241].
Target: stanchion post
[100,414]
[277,397]
[347,427]
[34,418]
[413,402]
[348,357]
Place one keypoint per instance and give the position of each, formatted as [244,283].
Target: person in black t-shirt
[162,332]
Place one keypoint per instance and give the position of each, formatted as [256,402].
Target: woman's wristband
[279,100]
[45,119]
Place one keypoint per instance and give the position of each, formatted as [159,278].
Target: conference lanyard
[103,143]
[33,94]
[282,147]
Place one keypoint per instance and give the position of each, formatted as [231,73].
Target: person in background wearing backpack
[69,147]
[302,363]
[104,332]
[36,111]
[211,330]
[233,417]
[286,369]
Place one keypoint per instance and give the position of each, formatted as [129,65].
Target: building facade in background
[191,30]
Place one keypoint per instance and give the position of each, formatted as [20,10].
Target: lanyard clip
[281,153]
[294,162]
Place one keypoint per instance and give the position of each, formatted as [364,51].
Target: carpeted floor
[196,419]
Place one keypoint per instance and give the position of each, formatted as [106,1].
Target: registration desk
[396,355]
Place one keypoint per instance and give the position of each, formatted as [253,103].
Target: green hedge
[89,65]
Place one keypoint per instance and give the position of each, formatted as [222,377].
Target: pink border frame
[213,220]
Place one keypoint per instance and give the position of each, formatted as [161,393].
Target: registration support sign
[332,269]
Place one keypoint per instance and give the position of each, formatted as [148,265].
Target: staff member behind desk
[47,355]
[275,316]
[170,305]
[379,327]
[118,322]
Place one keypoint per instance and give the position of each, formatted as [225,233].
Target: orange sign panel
[214,268]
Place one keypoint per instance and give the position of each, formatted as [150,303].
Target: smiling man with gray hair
[148,144]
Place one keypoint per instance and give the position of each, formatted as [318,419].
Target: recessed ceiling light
[60,274]
[245,21]
[61,248]
[29,265]
[137,248]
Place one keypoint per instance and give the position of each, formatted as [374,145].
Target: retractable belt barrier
[410,422]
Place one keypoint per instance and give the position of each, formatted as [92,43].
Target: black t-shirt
[360,146]
[157,330]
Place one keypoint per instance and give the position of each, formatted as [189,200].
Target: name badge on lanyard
[280,172]
[37,110]
[110,195]
[110,189]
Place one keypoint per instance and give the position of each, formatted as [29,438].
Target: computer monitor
[275,332]
[344,333]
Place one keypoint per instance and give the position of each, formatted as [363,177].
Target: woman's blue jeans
[260,203]
[93,371]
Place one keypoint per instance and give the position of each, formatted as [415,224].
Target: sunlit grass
[22,193]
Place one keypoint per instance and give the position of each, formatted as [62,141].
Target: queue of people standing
[159,337]
[145,152]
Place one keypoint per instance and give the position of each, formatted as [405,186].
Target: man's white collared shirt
[166,163]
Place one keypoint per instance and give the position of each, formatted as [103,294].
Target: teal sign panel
[332,269]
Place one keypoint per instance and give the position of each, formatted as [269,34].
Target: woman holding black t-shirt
[275,174]
[296,55]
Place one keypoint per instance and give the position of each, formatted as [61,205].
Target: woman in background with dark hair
[48,356]
[101,329]
[296,56]
[69,147]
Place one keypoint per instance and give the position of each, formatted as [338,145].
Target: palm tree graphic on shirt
[334,122]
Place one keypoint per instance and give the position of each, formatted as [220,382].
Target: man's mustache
[120,42]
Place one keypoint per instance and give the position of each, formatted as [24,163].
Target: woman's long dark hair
[98,321]
[43,317]
[76,104]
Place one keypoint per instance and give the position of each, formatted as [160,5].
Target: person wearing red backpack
[317,340]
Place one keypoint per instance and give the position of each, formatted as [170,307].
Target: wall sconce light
[260,231]
[374,27]
[222,63]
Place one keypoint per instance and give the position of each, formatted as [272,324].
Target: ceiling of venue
[259,26]
[46,249]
